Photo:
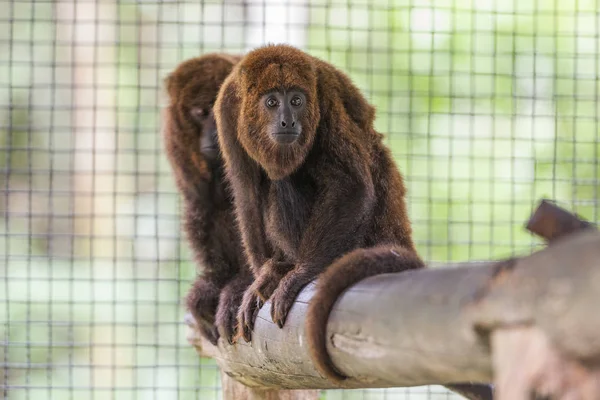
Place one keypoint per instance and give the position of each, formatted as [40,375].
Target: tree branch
[432,326]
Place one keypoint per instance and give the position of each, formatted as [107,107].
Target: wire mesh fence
[487,105]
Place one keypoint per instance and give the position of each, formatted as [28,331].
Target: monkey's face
[279,129]
[193,89]
[278,124]
[207,127]
[284,111]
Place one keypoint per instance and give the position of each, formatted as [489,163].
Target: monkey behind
[192,149]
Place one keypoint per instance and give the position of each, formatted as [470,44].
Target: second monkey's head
[279,110]
[193,87]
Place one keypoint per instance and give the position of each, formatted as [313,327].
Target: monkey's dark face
[285,110]
[279,112]
[282,127]
[205,120]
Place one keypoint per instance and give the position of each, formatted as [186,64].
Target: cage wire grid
[487,106]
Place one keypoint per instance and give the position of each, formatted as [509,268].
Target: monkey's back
[390,223]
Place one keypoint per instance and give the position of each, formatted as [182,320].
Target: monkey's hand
[290,286]
[229,304]
[202,301]
[258,293]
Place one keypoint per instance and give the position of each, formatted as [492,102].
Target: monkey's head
[193,87]
[279,110]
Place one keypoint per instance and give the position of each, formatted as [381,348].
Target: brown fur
[333,191]
[208,217]
[334,194]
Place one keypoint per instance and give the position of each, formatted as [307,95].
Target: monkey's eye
[271,102]
[296,101]
[199,113]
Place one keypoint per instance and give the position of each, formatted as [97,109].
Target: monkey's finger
[209,332]
[281,305]
[264,287]
[226,326]
[285,295]
[245,316]
[214,333]
[249,318]
[241,326]
[227,331]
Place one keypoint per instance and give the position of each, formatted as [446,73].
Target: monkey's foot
[227,320]
[229,304]
[284,296]
[202,301]
[247,313]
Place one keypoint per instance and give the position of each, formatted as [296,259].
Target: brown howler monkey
[312,179]
[312,182]
[190,137]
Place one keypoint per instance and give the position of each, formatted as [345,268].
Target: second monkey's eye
[296,101]
[271,102]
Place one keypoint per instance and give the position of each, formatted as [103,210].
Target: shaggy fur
[208,217]
[331,203]
[303,206]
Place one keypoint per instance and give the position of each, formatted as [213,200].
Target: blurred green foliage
[488,106]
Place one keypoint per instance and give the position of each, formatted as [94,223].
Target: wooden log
[431,326]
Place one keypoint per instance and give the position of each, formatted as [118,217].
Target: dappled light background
[487,105]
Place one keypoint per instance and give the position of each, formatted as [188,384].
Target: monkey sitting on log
[313,185]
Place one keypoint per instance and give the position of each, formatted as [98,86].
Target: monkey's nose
[284,124]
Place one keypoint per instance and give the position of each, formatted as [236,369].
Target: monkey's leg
[202,301]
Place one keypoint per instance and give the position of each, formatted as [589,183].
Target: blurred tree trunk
[90,28]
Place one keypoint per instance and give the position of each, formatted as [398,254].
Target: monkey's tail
[343,273]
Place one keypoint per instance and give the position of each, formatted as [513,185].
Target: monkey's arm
[336,226]
[244,176]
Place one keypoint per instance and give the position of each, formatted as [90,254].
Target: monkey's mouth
[286,137]
[210,152]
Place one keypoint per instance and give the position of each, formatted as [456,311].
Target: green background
[488,106]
